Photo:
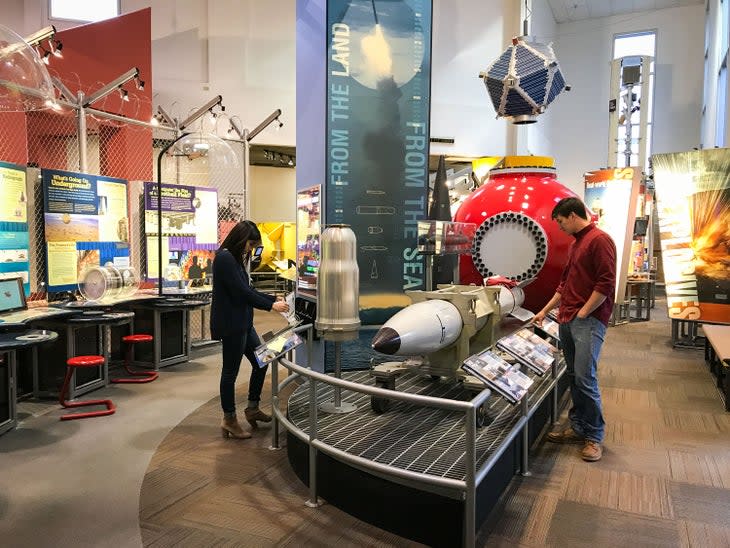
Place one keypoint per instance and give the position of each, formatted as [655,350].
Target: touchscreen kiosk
[12,296]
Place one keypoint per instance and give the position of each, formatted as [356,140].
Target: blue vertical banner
[378,96]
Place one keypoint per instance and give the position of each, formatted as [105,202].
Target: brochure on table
[14,238]
[530,349]
[277,347]
[611,194]
[693,208]
[550,327]
[189,231]
[495,372]
[86,224]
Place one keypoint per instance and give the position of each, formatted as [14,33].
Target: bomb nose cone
[386,341]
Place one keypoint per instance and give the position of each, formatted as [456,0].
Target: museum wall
[273,194]
[584,49]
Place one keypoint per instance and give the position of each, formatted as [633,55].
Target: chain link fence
[124,149]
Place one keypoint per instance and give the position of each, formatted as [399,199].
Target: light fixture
[117,83]
[154,121]
[55,47]
[46,33]
[139,83]
[124,94]
[207,107]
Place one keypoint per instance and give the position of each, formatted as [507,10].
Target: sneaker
[565,436]
[592,451]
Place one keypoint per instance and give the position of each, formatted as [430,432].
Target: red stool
[83,361]
[137,376]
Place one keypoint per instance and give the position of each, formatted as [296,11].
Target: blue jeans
[581,340]
[234,348]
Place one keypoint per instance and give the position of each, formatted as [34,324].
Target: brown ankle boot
[231,429]
[254,414]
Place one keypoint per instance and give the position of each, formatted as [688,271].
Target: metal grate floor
[419,439]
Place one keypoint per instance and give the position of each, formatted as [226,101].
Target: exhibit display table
[84,333]
[10,342]
[168,321]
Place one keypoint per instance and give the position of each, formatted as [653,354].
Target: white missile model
[428,326]
[420,328]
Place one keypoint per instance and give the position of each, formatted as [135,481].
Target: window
[638,44]
[83,10]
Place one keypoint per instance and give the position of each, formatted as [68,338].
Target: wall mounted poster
[189,231]
[308,233]
[378,95]
[693,207]
[611,195]
[14,240]
[86,221]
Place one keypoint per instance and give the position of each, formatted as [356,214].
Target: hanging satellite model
[524,80]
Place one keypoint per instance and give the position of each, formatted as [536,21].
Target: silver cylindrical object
[338,284]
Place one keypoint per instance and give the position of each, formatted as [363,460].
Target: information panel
[378,90]
[611,195]
[693,207]
[86,222]
[189,231]
[14,240]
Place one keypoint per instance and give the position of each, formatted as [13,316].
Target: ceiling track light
[139,83]
[46,33]
[124,94]
[117,83]
[55,47]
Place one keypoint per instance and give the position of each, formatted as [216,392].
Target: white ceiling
[575,10]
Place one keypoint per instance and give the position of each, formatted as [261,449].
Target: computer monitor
[12,296]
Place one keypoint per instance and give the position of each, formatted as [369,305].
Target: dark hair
[238,237]
[566,206]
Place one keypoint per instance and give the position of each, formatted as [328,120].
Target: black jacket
[234,299]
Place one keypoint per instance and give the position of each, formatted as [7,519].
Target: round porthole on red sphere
[516,236]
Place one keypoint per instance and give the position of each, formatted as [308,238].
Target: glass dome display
[101,283]
[24,81]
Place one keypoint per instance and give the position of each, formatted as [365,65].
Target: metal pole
[246,175]
[274,405]
[81,129]
[470,478]
[525,471]
[313,501]
[429,272]
[338,373]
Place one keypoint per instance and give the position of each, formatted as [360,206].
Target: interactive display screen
[12,296]
[308,232]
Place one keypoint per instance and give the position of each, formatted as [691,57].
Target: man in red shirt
[585,294]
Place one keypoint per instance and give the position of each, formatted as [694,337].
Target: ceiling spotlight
[281,124]
[139,83]
[47,57]
[124,94]
[154,121]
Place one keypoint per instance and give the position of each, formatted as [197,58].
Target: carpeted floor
[158,473]
[664,479]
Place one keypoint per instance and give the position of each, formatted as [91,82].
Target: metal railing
[465,489]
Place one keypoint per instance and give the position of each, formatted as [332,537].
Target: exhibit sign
[14,238]
[378,95]
[308,233]
[86,224]
[189,231]
[693,208]
[611,195]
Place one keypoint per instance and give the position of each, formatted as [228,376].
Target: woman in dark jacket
[231,321]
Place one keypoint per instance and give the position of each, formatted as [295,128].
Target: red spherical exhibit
[516,236]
